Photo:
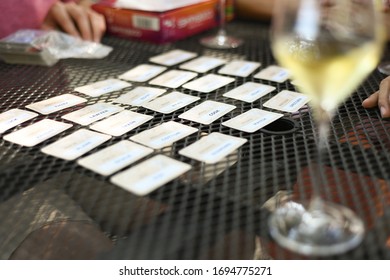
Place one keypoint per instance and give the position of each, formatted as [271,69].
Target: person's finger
[371,101]
[383,98]
[81,19]
[62,18]
[49,24]
[98,24]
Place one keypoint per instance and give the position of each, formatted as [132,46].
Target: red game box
[161,27]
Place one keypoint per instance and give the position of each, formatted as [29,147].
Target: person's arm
[254,9]
[76,19]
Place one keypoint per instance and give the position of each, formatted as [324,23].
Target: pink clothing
[23,14]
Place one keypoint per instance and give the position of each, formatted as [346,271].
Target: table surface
[51,208]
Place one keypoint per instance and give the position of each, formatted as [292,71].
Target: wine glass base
[221,42]
[332,230]
[384,68]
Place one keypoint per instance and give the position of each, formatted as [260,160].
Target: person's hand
[381,98]
[76,19]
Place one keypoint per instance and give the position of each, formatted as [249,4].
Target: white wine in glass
[221,40]
[330,47]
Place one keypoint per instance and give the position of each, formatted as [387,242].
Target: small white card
[207,112]
[150,174]
[173,78]
[240,68]
[76,144]
[252,120]
[142,73]
[56,103]
[208,83]
[115,157]
[14,117]
[163,135]
[121,123]
[287,101]
[172,57]
[36,133]
[213,147]
[171,102]
[273,73]
[249,92]
[102,87]
[202,64]
[92,113]
[139,96]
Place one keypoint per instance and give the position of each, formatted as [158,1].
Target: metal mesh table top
[51,208]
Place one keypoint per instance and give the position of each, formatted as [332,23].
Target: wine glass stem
[222,18]
[323,119]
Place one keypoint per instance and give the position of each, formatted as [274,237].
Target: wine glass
[330,47]
[221,40]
